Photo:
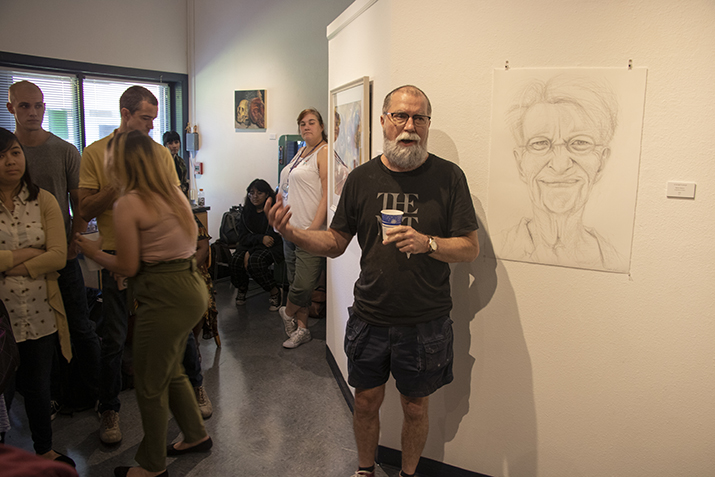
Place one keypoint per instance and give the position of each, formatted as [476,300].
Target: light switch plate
[684,190]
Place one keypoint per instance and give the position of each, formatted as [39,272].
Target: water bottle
[202,198]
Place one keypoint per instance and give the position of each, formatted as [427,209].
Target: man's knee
[368,401]
[415,408]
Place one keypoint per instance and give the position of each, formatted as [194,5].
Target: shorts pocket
[436,339]
[354,329]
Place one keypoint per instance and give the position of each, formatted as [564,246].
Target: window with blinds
[100,99]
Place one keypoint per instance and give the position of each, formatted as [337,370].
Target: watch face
[432,244]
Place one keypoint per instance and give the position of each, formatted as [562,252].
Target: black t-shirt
[435,199]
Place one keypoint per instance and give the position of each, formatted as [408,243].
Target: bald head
[26,103]
[22,87]
[407,89]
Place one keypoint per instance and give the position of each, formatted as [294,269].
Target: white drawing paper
[565,153]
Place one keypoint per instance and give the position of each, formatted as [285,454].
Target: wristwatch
[431,244]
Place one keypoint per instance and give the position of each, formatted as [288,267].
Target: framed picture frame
[249,113]
[348,132]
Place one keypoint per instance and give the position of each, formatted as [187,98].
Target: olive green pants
[171,298]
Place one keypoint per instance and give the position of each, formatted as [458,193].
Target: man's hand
[325,243]
[407,239]
[268,241]
[464,248]
[278,215]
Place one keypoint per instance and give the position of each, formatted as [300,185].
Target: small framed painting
[250,110]
[349,132]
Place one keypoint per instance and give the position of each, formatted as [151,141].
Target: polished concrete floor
[277,412]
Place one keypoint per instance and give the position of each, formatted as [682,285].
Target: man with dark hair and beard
[399,321]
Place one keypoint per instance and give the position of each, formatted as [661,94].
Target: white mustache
[407,136]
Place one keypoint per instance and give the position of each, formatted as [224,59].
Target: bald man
[54,165]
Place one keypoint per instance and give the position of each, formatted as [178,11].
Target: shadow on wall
[490,403]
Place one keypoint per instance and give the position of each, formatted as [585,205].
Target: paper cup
[390,219]
[92,266]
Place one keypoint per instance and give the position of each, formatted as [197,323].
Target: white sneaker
[297,338]
[288,321]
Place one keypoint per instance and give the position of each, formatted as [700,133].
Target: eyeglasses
[400,119]
[580,145]
[255,192]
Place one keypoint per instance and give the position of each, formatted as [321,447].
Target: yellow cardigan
[47,264]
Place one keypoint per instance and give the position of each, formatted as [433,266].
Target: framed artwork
[565,155]
[250,109]
[349,131]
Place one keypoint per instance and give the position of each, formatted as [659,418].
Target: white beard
[406,158]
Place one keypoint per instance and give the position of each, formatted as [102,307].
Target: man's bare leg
[414,430]
[366,423]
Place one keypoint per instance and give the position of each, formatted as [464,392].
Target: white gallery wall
[130,33]
[560,371]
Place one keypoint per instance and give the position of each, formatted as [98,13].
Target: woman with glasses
[258,246]
[304,185]
[156,243]
[33,246]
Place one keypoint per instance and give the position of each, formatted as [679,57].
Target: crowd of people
[153,252]
[153,255]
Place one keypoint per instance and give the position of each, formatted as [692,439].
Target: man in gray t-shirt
[54,165]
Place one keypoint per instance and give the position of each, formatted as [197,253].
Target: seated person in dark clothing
[258,246]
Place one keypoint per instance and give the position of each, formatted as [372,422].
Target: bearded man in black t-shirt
[399,322]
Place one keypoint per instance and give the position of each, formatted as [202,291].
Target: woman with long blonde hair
[156,243]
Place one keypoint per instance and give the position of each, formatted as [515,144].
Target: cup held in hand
[390,218]
[92,266]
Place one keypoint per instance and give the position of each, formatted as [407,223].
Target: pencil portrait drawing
[560,130]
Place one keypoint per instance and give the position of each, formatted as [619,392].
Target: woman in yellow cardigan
[33,247]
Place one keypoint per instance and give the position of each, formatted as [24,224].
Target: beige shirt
[92,176]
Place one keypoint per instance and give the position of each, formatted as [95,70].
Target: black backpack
[228,233]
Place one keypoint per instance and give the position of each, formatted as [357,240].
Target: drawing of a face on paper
[562,129]
[562,156]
